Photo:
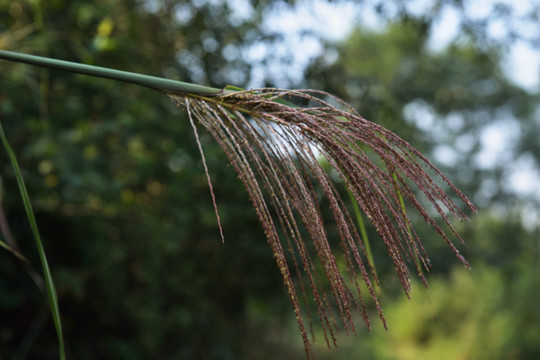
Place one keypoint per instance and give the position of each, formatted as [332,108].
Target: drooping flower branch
[275,147]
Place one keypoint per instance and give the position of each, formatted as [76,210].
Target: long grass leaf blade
[51,291]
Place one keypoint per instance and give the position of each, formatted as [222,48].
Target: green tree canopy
[445,102]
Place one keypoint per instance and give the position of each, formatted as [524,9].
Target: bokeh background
[124,209]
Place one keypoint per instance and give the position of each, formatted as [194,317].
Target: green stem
[51,292]
[404,211]
[152,82]
[367,245]
[17,254]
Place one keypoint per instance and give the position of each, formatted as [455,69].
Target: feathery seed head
[275,146]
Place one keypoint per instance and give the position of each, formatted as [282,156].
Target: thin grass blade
[51,290]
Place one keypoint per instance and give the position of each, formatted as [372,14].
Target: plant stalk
[152,82]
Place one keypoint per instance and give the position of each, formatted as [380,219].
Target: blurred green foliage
[126,217]
[486,313]
[120,195]
[437,100]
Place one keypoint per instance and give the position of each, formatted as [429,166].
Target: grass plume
[274,148]
[274,139]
